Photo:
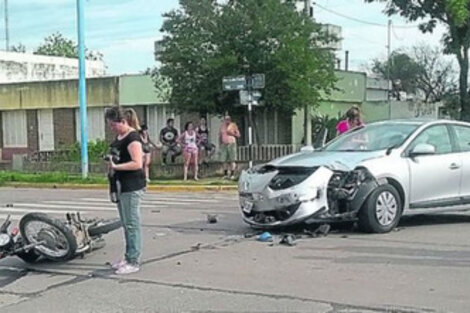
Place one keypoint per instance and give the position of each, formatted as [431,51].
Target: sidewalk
[155,186]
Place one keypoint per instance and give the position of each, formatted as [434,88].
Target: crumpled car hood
[335,160]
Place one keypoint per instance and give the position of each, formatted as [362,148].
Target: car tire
[382,210]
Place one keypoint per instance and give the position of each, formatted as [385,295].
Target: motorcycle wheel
[58,241]
[104,227]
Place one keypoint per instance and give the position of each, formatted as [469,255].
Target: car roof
[422,121]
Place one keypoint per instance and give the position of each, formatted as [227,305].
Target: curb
[155,188]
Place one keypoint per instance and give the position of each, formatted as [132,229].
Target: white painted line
[36,210]
[180,200]
[53,206]
[91,204]
[146,203]
[79,206]
[13,217]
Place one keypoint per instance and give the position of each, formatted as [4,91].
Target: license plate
[247,206]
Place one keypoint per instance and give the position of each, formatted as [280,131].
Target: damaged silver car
[373,174]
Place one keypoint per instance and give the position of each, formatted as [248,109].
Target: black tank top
[130,180]
[203,134]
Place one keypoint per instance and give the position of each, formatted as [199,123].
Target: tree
[205,41]
[404,72]
[437,77]
[422,69]
[57,45]
[162,84]
[454,14]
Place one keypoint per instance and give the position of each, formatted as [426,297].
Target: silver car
[373,174]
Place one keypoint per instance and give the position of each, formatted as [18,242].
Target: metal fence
[266,152]
[48,156]
[260,153]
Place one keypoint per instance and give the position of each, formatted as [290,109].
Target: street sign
[245,97]
[234,83]
[258,81]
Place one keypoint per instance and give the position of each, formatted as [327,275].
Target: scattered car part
[288,240]
[265,237]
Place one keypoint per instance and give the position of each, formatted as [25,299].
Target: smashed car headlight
[291,176]
[261,169]
[312,195]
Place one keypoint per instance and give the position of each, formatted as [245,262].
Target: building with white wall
[23,67]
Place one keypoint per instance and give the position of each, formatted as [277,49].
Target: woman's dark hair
[187,125]
[114,114]
[144,127]
[353,113]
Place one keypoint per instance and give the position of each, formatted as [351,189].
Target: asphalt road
[190,265]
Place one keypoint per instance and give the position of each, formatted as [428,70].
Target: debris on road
[212,218]
[155,235]
[196,247]
[249,235]
[288,240]
[265,237]
[321,231]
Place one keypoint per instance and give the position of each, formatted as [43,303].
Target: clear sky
[125,30]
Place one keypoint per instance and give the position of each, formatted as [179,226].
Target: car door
[435,178]
[462,139]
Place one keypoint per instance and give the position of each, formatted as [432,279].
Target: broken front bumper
[323,195]
[261,205]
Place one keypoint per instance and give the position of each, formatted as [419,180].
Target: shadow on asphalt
[433,219]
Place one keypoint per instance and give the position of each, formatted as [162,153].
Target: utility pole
[307,118]
[389,61]
[7,32]
[250,116]
[82,86]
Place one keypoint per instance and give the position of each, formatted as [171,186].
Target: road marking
[35,210]
[144,201]
[104,205]
[13,217]
[82,206]
[52,206]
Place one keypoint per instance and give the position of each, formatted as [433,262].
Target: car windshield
[373,137]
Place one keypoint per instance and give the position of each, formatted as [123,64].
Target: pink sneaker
[118,264]
[127,269]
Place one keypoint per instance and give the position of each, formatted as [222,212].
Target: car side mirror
[423,149]
[305,149]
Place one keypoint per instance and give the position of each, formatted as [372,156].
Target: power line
[360,20]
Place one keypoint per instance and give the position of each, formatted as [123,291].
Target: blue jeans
[129,212]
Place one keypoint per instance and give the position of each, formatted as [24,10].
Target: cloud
[118,28]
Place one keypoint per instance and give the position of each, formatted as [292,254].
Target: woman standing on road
[130,177]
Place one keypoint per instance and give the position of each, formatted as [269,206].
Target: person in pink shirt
[353,120]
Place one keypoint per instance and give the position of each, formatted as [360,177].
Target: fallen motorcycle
[41,235]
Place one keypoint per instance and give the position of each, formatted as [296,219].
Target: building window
[95,123]
[14,129]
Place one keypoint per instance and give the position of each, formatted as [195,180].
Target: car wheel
[381,211]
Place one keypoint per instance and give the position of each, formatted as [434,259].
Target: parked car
[373,174]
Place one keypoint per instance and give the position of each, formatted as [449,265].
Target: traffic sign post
[234,83]
[246,85]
